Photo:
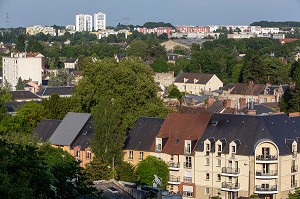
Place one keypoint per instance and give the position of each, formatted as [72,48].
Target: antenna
[7,21]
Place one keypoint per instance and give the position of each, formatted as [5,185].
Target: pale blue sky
[178,12]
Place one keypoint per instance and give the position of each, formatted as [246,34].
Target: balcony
[174,166]
[266,189]
[158,148]
[294,184]
[187,179]
[187,165]
[228,186]
[187,150]
[266,158]
[264,174]
[294,168]
[228,171]
[174,180]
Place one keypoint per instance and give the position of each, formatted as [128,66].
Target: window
[88,155]
[219,147]
[141,156]
[207,147]
[77,153]
[207,161]
[218,178]
[188,146]
[206,191]
[230,179]
[265,151]
[229,163]
[188,162]
[219,163]
[130,157]
[207,176]
[233,149]
[172,158]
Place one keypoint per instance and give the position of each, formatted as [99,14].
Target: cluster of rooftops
[76,130]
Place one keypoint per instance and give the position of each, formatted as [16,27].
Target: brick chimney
[227,103]
[242,102]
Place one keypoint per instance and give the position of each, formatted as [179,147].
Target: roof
[84,137]
[250,130]
[142,135]
[59,90]
[198,98]
[287,40]
[45,129]
[14,106]
[228,87]
[69,128]
[23,95]
[248,89]
[260,109]
[201,78]
[273,88]
[71,60]
[180,127]
[216,107]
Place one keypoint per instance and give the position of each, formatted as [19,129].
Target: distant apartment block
[33,30]
[165,79]
[193,29]
[99,21]
[84,22]
[158,31]
[28,66]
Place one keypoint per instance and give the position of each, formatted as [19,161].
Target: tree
[151,166]
[128,81]
[160,66]
[62,78]
[109,130]
[295,195]
[20,85]
[175,93]
[137,48]
[126,172]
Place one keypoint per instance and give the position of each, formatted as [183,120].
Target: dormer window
[187,147]
[232,149]
[207,149]
[219,149]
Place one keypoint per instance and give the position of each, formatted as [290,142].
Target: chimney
[251,112]
[227,103]
[242,102]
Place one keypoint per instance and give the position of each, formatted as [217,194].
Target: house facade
[197,83]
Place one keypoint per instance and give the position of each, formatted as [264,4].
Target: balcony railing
[229,185]
[266,157]
[187,194]
[174,179]
[158,147]
[264,173]
[294,184]
[174,165]
[187,179]
[229,170]
[266,188]
[294,168]
[187,150]
[187,165]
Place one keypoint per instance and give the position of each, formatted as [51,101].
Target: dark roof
[142,135]
[216,107]
[270,89]
[228,86]
[71,60]
[198,98]
[248,89]
[274,105]
[59,90]
[14,106]
[190,77]
[69,128]
[249,130]
[23,95]
[84,137]
[45,129]
[180,127]
[27,85]
[260,109]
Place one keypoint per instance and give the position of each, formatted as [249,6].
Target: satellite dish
[157,181]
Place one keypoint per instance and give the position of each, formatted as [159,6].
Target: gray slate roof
[143,134]
[24,95]
[59,90]
[249,130]
[69,128]
[45,129]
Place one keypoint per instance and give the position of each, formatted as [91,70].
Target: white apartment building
[28,66]
[84,22]
[99,21]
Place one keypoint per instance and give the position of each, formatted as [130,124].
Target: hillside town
[150,111]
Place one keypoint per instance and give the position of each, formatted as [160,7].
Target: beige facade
[134,157]
[165,79]
[265,174]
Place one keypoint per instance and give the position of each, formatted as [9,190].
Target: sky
[24,13]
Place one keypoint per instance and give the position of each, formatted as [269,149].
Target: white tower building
[84,22]
[99,21]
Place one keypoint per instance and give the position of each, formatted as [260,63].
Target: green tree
[151,166]
[62,78]
[160,66]
[295,195]
[109,130]
[126,172]
[20,85]
[175,93]
[137,48]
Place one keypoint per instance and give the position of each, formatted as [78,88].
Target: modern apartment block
[28,66]
[99,21]
[242,155]
[84,22]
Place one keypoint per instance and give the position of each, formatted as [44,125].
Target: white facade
[20,65]
[84,22]
[99,21]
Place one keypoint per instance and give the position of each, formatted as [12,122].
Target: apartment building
[99,21]
[84,22]
[244,155]
[197,83]
[175,144]
[27,66]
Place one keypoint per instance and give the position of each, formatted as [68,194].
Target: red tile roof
[248,89]
[180,127]
[287,40]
